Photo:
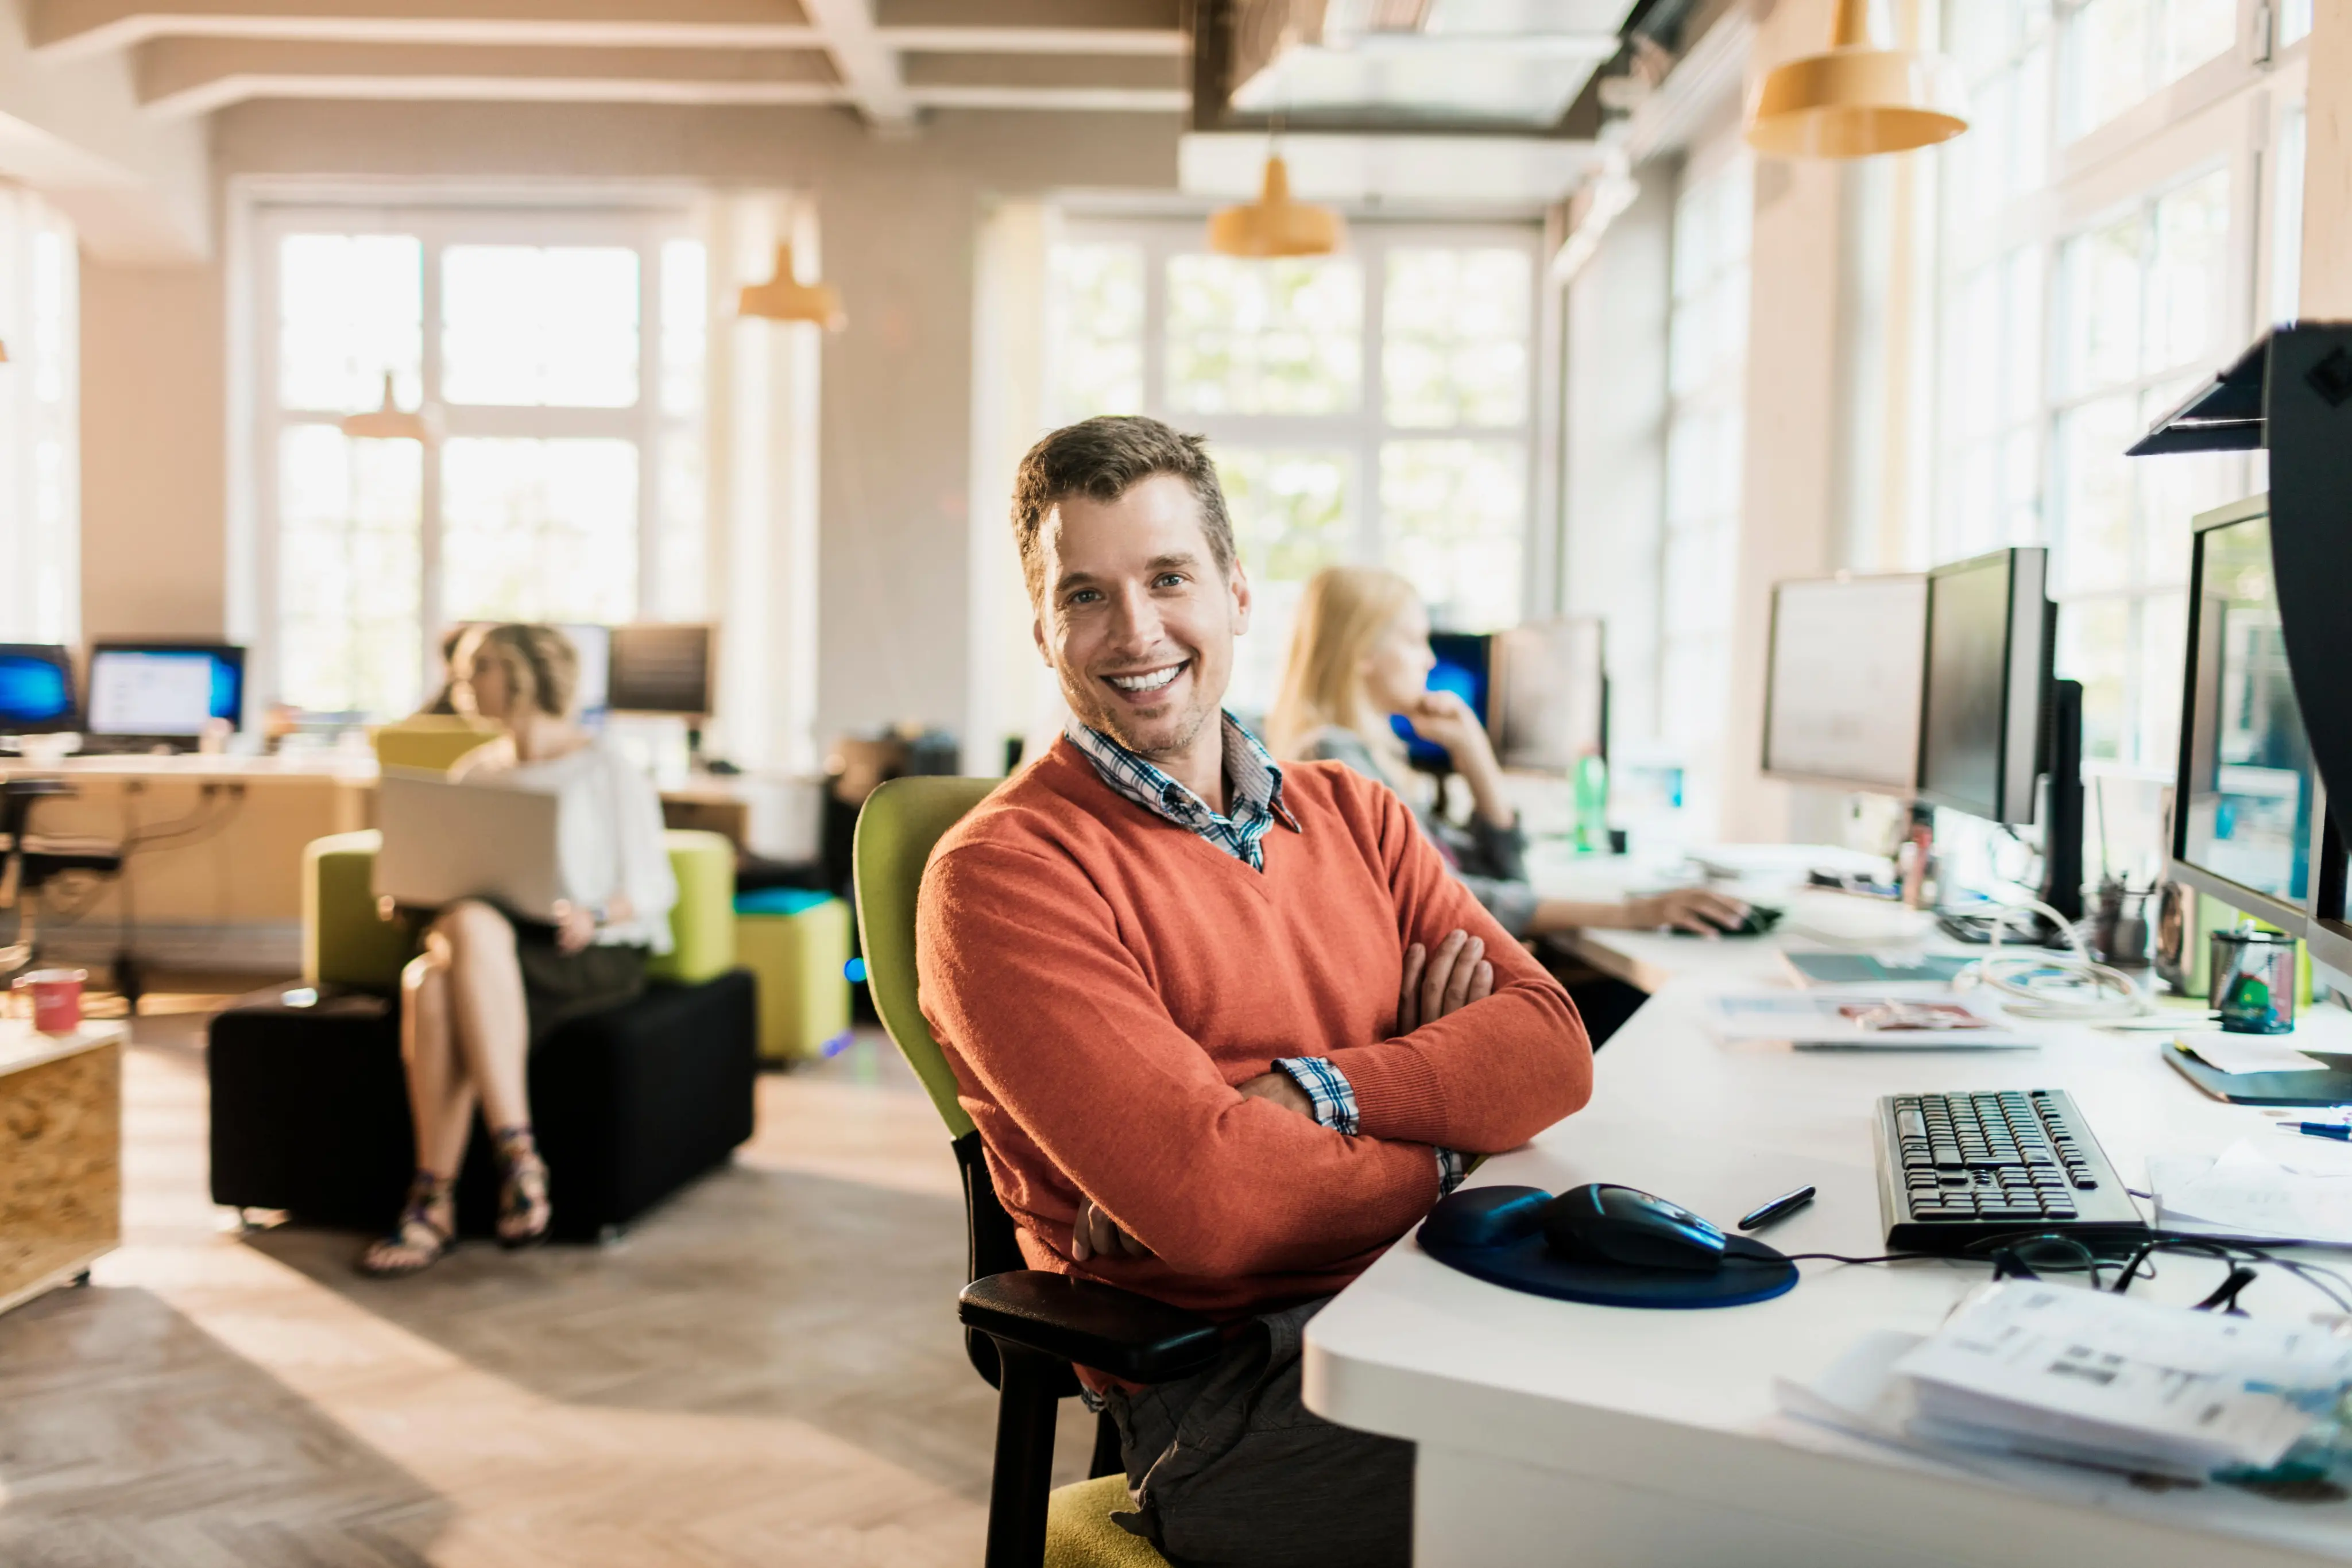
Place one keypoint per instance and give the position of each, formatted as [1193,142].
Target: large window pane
[1454,514]
[1454,336]
[351,308]
[525,325]
[1264,336]
[2120,51]
[349,570]
[2104,270]
[1290,517]
[685,326]
[2193,225]
[540,530]
[2094,544]
[1095,301]
[2094,648]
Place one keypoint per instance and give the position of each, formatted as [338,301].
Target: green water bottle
[1591,804]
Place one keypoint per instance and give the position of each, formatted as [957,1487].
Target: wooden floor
[765,1370]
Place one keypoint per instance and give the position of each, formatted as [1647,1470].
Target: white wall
[899,220]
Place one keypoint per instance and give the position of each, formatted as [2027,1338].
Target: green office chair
[1022,1327]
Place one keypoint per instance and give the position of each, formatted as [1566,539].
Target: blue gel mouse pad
[1496,1234]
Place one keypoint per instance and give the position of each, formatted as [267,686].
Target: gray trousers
[1228,1466]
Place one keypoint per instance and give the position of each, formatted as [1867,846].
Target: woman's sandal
[523,1208]
[418,1242]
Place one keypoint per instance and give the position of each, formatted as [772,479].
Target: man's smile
[1140,684]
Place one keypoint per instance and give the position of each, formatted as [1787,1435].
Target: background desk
[229,895]
[1553,1432]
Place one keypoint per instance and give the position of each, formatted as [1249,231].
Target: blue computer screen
[1462,669]
[164,690]
[35,689]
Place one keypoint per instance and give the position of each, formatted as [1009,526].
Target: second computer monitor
[660,669]
[1548,702]
[37,689]
[1987,674]
[1843,680]
[2247,789]
[164,691]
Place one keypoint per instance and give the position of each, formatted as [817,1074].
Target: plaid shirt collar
[1251,772]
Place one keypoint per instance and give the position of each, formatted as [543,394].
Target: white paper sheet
[2282,1185]
[2236,1053]
[2030,1365]
[1837,1020]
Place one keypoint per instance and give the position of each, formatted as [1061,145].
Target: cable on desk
[2047,987]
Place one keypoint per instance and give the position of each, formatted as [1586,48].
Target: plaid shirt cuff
[1451,1169]
[1327,1087]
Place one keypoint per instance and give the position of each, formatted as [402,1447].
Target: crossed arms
[1093,1097]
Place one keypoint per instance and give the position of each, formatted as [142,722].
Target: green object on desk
[1592,803]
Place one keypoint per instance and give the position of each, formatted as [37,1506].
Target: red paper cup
[56,999]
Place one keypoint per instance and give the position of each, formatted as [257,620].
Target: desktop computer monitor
[1987,670]
[594,646]
[1548,693]
[1465,667]
[163,691]
[2246,799]
[37,689]
[1843,679]
[660,669]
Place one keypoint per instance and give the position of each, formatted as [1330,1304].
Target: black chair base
[310,1108]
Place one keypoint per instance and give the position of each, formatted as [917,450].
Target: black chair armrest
[1131,1337]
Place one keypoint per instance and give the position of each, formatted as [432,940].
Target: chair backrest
[902,820]
[430,741]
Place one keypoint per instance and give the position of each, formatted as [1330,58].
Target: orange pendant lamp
[389,421]
[1273,224]
[785,298]
[1858,100]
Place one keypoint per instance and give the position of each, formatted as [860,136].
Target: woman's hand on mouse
[1094,1234]
[1446,980]
[1699,909]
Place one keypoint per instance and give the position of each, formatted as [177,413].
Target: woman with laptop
[489,986]
[1359,654]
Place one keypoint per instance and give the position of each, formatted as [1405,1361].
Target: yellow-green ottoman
[797,942]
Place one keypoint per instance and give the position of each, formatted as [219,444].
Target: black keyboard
[1956,1170]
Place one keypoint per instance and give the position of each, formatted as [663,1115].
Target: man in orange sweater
[1227,1028]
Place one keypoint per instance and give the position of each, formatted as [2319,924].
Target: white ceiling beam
[987,40]
[869,67]
[75,28]
[181,77]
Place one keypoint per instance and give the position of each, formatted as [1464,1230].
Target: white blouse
[608,833]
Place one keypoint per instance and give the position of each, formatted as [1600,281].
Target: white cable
[2051,988]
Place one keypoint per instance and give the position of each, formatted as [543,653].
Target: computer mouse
[1484,1217]
[1758,921]
[1603,1223]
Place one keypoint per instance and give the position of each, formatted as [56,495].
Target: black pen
[1778,1209]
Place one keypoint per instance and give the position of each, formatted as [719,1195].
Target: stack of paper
[1821,1020]
[2029,1370]
[2098,1378]
[2288,1187]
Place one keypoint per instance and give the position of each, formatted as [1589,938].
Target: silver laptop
[444,842]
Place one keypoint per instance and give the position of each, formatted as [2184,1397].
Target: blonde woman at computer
[485,988]
[1358,654]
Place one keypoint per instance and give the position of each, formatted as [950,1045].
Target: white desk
[1554,1432]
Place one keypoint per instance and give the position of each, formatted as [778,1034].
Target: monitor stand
[2062,828]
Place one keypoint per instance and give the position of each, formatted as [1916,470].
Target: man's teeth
[1151,682]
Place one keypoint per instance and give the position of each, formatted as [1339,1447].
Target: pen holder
[2254,981]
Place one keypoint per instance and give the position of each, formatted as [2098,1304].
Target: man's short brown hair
[1102,459]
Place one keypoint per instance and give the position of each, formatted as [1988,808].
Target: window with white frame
[2083,295]
[40,399]
[560,356]
[1371,406]
[1706,356]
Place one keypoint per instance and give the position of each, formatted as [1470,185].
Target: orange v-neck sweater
[1101,979]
